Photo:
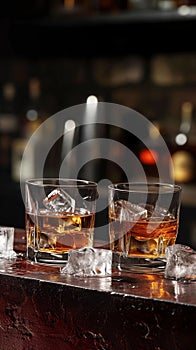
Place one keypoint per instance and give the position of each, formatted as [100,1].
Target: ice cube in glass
[59,201]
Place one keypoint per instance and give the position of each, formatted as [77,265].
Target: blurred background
[138,53]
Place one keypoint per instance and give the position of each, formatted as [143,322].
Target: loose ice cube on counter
[88,262]
[59,201]
[7,242]
[180,262]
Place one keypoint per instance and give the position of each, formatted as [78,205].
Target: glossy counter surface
[126,284]
[40,308]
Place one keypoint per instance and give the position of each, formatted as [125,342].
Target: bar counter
[43,309]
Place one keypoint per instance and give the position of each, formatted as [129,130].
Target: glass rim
[62,182]
[144,187]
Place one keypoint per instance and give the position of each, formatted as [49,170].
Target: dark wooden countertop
[126,284]
[41,308]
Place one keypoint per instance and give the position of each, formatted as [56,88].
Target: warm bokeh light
[148,156]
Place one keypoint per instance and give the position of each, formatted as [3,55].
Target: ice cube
[7,242]
[180,262]
[160,212]
[156,211]
[127,211]
[59,201]
[88,261]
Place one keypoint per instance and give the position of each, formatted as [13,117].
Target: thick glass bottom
[46,257]
[138,265]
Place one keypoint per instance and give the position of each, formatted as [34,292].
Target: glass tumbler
[60,215]
[143,221]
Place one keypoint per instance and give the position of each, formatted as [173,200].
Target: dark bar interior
[54,55]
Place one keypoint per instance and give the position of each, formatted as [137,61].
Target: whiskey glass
[59,216]
[143,222]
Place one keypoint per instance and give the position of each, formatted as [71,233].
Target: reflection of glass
[60,216]
[158,288]
[143,222]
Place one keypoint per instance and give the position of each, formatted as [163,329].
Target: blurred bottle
[34,115]
[32,111]
[8,127]
[183,147]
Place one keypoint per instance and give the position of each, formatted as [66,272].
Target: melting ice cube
[180,262]
[88,262]
[6,242]
[59,201]
[126,211]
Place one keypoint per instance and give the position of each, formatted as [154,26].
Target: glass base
[48,258]
[138,265]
